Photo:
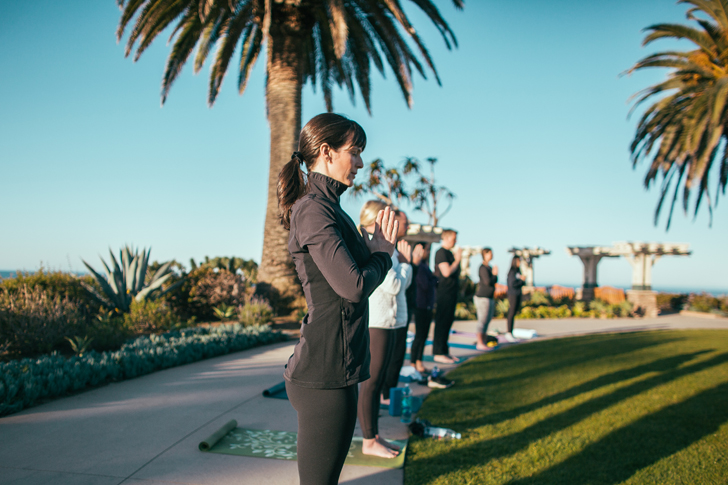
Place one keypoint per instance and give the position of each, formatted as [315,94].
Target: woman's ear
[325,150]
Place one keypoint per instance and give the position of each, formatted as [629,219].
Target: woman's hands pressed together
[405,252]
[384,236]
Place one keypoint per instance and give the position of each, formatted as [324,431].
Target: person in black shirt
[515,281]
[338,268]
[483,299]
[447,270]
[426,287]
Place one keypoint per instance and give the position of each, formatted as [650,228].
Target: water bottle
[435,373]
[441,433]
[406,405]
[395,401]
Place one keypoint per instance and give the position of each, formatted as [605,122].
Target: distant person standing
[399,346]
[515,281]
[426,286]
[483,299]
[447,270]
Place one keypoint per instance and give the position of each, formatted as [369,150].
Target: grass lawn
[636,408]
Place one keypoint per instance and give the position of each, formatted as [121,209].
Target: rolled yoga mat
[207,444]
[277,392]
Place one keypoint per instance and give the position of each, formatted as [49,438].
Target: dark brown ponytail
[330,128]
[291,187]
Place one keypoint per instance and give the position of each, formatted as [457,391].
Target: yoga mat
[281,445]
[215,437]
[277,392]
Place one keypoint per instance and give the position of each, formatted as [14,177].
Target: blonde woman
[387,313]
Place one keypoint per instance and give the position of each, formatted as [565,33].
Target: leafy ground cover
[637,408]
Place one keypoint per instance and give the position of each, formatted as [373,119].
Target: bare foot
[444,359]
[375,448]
[386,443]
[420,367]
[481,347]
[384,401]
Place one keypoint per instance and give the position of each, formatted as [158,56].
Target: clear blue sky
[530,128]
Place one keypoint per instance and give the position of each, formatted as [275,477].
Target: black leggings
[380,346]
[514,302]
[399,348]
[423,319]
[444,316]
[326,421]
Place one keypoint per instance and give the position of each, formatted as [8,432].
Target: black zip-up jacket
[486,285]
[514,282]
[338,273]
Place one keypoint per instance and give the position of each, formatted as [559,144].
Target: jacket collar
[327,187]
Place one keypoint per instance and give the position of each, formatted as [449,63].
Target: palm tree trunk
[283,98]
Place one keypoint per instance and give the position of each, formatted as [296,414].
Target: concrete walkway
[146,430]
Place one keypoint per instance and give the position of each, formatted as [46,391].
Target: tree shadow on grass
[661,365]
[485,451]
[575,351]
[627,450]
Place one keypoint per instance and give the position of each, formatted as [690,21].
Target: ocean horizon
[4,274]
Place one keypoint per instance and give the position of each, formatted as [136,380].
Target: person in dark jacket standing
[338,268]
[426,284]
[483,299]
[515,281]
[447,270]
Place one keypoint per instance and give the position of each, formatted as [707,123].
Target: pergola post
[590,257]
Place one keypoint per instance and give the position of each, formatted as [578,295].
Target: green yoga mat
[281,445]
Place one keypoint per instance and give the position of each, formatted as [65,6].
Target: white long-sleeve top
[388,303]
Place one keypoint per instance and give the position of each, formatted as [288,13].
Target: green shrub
[34,321]
[463,312]
[599,307]
[623,309]
[256,312]
[501,307]
[65,285]
[671,302]
[538,298]
[150,316]
[563,311]
[579,309]
[211,288]
[527,312]
[24,382]
[704,302]
[247,267]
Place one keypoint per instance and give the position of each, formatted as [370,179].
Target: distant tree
[332,42]
[427,196]
[386,184]
[684,130]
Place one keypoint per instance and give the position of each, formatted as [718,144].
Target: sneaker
[510,338]
[439,382]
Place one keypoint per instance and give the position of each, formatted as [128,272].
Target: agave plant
[127,282]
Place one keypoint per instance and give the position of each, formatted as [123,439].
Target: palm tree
[427,194]
[683,132]
[329,42]
[386,184]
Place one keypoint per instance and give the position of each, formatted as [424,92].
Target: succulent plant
[127,281]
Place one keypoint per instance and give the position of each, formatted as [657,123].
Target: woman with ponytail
[339,268]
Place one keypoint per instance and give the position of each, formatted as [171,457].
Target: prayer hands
[385,231]
[418,253]
[405,252]
[458,253]
[495,270]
